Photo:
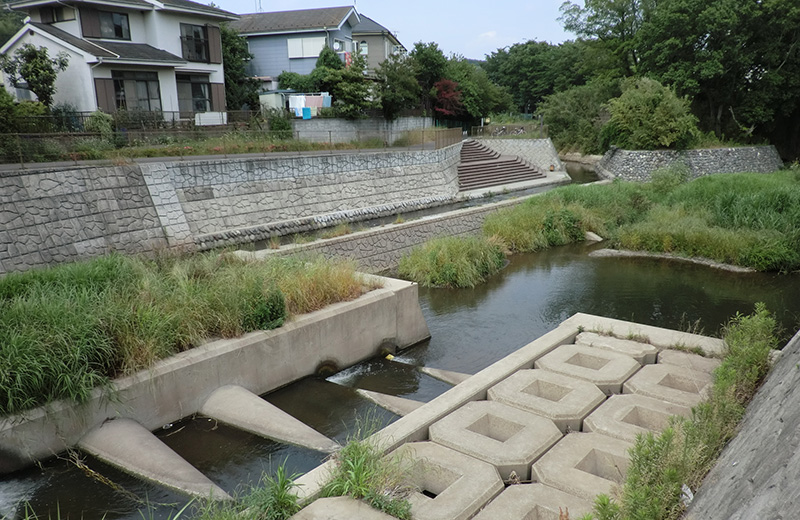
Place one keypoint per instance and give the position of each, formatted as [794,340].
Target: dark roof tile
[287,21]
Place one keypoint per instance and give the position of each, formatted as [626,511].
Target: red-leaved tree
[448,97]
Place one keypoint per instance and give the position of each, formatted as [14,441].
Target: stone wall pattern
[638,165]
[538,152]
[57,215]
[223,195]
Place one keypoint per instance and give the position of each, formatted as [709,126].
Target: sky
[471,28]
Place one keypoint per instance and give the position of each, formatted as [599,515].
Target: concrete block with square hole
[452,486]
[606,369]
[564,400]
[584,464]
[625,416]
[506,437]
[340,508]
[671,383]
[688,360]
[644,353]
[534,502]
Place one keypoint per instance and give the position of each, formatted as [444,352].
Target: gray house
[292,40]
[376,42]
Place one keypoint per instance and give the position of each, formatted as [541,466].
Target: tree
[430,63]
[294,81]
[34,67]
[329,59]
[397,86]
[614,23]
[648,116]
[240,88]
[351,89]
[479,97]
[10,22]
[448,98]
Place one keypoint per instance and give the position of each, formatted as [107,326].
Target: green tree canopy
[397,86]
[10,22]
[240,88]
[430,64]
[648,116]
[34,66]
[329,59]
[479,97]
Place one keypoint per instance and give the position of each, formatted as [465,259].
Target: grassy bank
[686,451]
[452,262]
[69,329]
[747,219]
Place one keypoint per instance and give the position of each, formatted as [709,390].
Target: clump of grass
[337,231]
[70,329]
[684,452]
[363,472]
[452,262]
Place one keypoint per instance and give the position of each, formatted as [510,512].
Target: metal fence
[509,131]
[26,148]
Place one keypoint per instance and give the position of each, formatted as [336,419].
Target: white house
[152,55]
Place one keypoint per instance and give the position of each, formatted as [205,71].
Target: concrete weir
[508,421]
[221,379]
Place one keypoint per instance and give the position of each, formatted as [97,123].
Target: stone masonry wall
[638,165]
[378,250]
[224,195]
[342,131]
[539,152]
[62,214]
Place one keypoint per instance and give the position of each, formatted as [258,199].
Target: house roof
[111,50]
[369,26]
[294,21]
[181,5]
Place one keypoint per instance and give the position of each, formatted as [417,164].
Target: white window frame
[308,47]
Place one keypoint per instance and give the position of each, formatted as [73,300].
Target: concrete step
[245,410]
[127,445]
[447,376]
[397,405]
[472,150]
[488,183]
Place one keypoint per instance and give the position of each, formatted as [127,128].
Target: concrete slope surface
[757,474]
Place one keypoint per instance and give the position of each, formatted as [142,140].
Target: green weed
[452,262]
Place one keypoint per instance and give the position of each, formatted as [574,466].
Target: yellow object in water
[389,357]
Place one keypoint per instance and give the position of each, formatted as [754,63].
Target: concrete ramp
[245,410]
[447,376]
[128,445]
[397,405]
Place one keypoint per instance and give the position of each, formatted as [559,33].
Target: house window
[338,45]
[194,41]
[363,48]
[114,26]
[136,91]
[305,47]
[51,14]
[194,94]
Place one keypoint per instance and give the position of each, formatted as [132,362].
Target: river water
[470,329]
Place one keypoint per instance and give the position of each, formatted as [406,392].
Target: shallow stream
[470,329]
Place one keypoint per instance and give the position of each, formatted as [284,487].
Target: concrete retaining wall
[344,334]
[324,130]
[539,152]
[55,215]
[638,165]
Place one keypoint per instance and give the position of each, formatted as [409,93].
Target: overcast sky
[471,28]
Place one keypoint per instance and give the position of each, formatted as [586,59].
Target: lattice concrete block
[688,360]
[534,502]
[452,486]
[340,508]
[564,400]
[506,437]
[626,416]
[671,383]
[606,369]
[584,464]
[644,353]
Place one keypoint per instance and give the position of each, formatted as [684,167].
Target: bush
[101,123]
[648,116]
[452,262]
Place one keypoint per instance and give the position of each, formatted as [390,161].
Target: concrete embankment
[339,335]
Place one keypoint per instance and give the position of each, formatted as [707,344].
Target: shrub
[648,116]
[452,262]
[101,123]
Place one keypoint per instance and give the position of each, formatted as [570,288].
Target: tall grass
[684,453]
[363,472]
[452,262]
[69,329]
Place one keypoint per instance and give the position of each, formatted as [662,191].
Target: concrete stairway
[482,167]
